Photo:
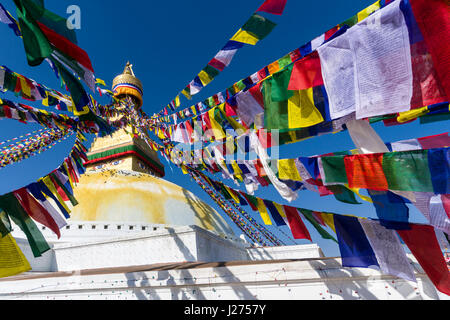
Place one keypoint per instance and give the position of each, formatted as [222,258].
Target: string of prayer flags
[255,29]
[362,242]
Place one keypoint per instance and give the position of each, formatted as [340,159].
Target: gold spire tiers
[126,84]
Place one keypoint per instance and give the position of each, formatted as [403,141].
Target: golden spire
[127,84]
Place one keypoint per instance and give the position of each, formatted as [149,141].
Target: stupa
[134,235]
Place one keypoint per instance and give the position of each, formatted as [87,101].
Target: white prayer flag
[382,60]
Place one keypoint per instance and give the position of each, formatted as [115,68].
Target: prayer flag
[366,172]
[434,22]
[263,211]
[273,6]
[254,30]
[306,73]
[422,242]
[13,261]
[36,211]
[298,228]
[381,53]
[287,170]
[323,233]
[391,209]
[408,171]
[354,246]
[388,250]
[279,221]
[10,204]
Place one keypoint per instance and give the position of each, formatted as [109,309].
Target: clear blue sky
[169,42]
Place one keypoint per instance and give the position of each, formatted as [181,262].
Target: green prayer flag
[343,194]
[286,60]
[275,112]
[12,207]
[280,82]
[58,24]
[308,215]
[334,169]
[37,47]
[259,26]
[430,118]
[408,171]
[351,21]
[211,71]
[5,224]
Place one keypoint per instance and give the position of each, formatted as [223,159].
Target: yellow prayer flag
[183,169]
[187,94]
[13,261]
[204,77]
[219,134]
[287,170]
[245,37]
[302,112]
[367,11]
[100,81]
[177,101]
[328,218]
[263,212]
[412,114]
[237,170]
[25,87]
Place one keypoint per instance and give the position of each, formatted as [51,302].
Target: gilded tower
[124,150]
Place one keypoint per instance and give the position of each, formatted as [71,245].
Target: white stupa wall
[310,279]
[85,246]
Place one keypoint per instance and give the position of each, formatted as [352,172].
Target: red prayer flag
[436,141]
[422,242]
[36,211]
[61,192]
[273,6]
[330,33]
[298,228]
[433,20]
[295,55]
[67,47]
[445,198]
[427,87]
[230,110]
[217,64]
[366,172]
[256,93]
[306,73]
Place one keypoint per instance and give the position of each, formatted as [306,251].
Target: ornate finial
[128,84]
[128,69]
